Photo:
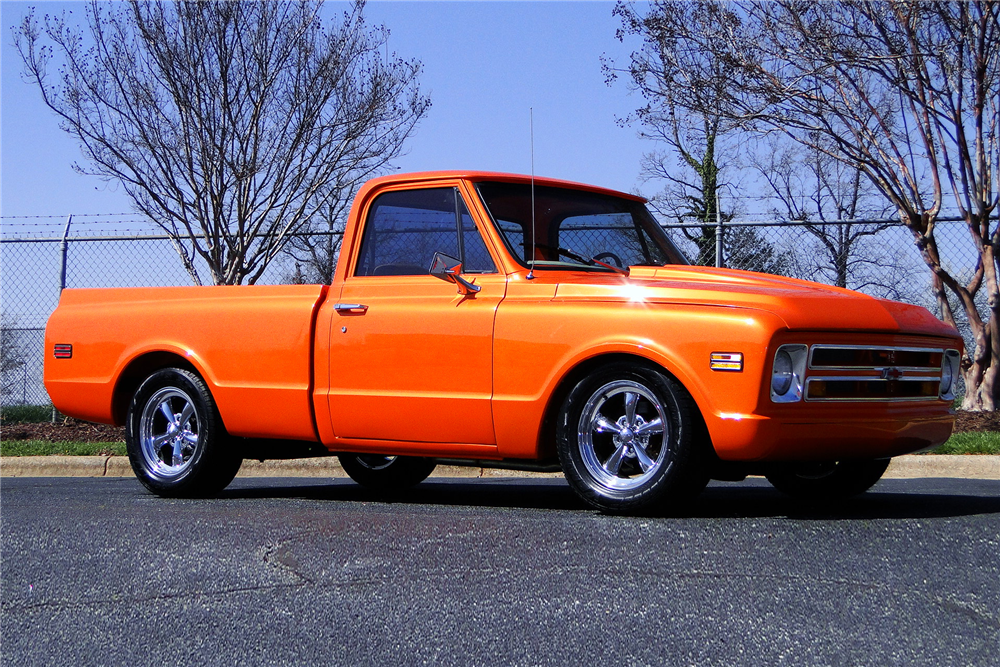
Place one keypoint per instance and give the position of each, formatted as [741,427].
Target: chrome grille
[870,357]
[873,373]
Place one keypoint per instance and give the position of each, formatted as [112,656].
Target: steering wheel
[612,256]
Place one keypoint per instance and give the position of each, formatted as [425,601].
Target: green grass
[959,443]
[26,414]
[972,442]
[45,448]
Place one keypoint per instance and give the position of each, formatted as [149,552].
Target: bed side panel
[251,344]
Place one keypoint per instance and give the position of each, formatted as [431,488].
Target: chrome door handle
[349,307]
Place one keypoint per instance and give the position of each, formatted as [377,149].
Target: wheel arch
[137,370]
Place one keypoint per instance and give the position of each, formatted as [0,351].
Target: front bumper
[845,434]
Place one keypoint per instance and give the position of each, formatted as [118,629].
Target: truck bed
[251,344]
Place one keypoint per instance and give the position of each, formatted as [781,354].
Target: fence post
[63,248]
[718,233]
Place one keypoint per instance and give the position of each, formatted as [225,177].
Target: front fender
[534,355]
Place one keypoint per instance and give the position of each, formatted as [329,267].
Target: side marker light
[63,351]
[727,361]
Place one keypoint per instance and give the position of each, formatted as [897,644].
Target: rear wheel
[175,439]
[626,440]
[827,480]
[386,473]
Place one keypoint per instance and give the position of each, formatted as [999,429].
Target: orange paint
[423,369]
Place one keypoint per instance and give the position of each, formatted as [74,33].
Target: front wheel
[627,440]
[175,439]
[386,473]
[827,480]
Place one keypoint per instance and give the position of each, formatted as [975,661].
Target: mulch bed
[977,421]
[64,430]
[73,430]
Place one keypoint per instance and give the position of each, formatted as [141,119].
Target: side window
[475,257]
[405,228]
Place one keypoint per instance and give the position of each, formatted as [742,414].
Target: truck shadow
[890,499]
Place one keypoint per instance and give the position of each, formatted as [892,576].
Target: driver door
[411,355]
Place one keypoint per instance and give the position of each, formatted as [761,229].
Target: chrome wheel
[375,461]
[176,441]
[169,433]
[816,470]
[386,473]
[623,435]
[827,480]
[627,440]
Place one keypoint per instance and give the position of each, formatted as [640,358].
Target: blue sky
[485,65]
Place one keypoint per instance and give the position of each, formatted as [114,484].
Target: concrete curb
[969,466]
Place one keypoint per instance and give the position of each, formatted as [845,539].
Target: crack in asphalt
[284,560]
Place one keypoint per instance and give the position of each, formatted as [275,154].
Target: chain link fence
[877,257]
[36,261]
[34,267]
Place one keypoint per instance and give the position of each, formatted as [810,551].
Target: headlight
[787,373]
[781,377]
[949,374]
[946,378]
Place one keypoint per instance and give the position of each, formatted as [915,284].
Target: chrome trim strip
[873,371]
[871,378]
[861,399]
[905,399]
[874,348]
[829,346]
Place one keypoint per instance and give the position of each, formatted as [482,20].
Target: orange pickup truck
[499,320]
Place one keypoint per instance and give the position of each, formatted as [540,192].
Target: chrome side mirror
[448,268]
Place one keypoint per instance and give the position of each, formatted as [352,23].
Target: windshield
[577,229]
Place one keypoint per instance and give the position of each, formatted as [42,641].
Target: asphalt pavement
[95,571]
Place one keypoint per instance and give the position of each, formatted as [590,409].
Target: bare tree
[317,245]
[843,214]
[700,143]
[695,182]
[692,175]
[906,92]
[230,124]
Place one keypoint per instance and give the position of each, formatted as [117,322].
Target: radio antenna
[531,131]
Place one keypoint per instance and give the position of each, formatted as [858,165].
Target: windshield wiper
[583,260]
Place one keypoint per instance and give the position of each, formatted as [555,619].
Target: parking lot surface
[95,571]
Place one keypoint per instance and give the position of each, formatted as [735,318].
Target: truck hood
[799,303]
